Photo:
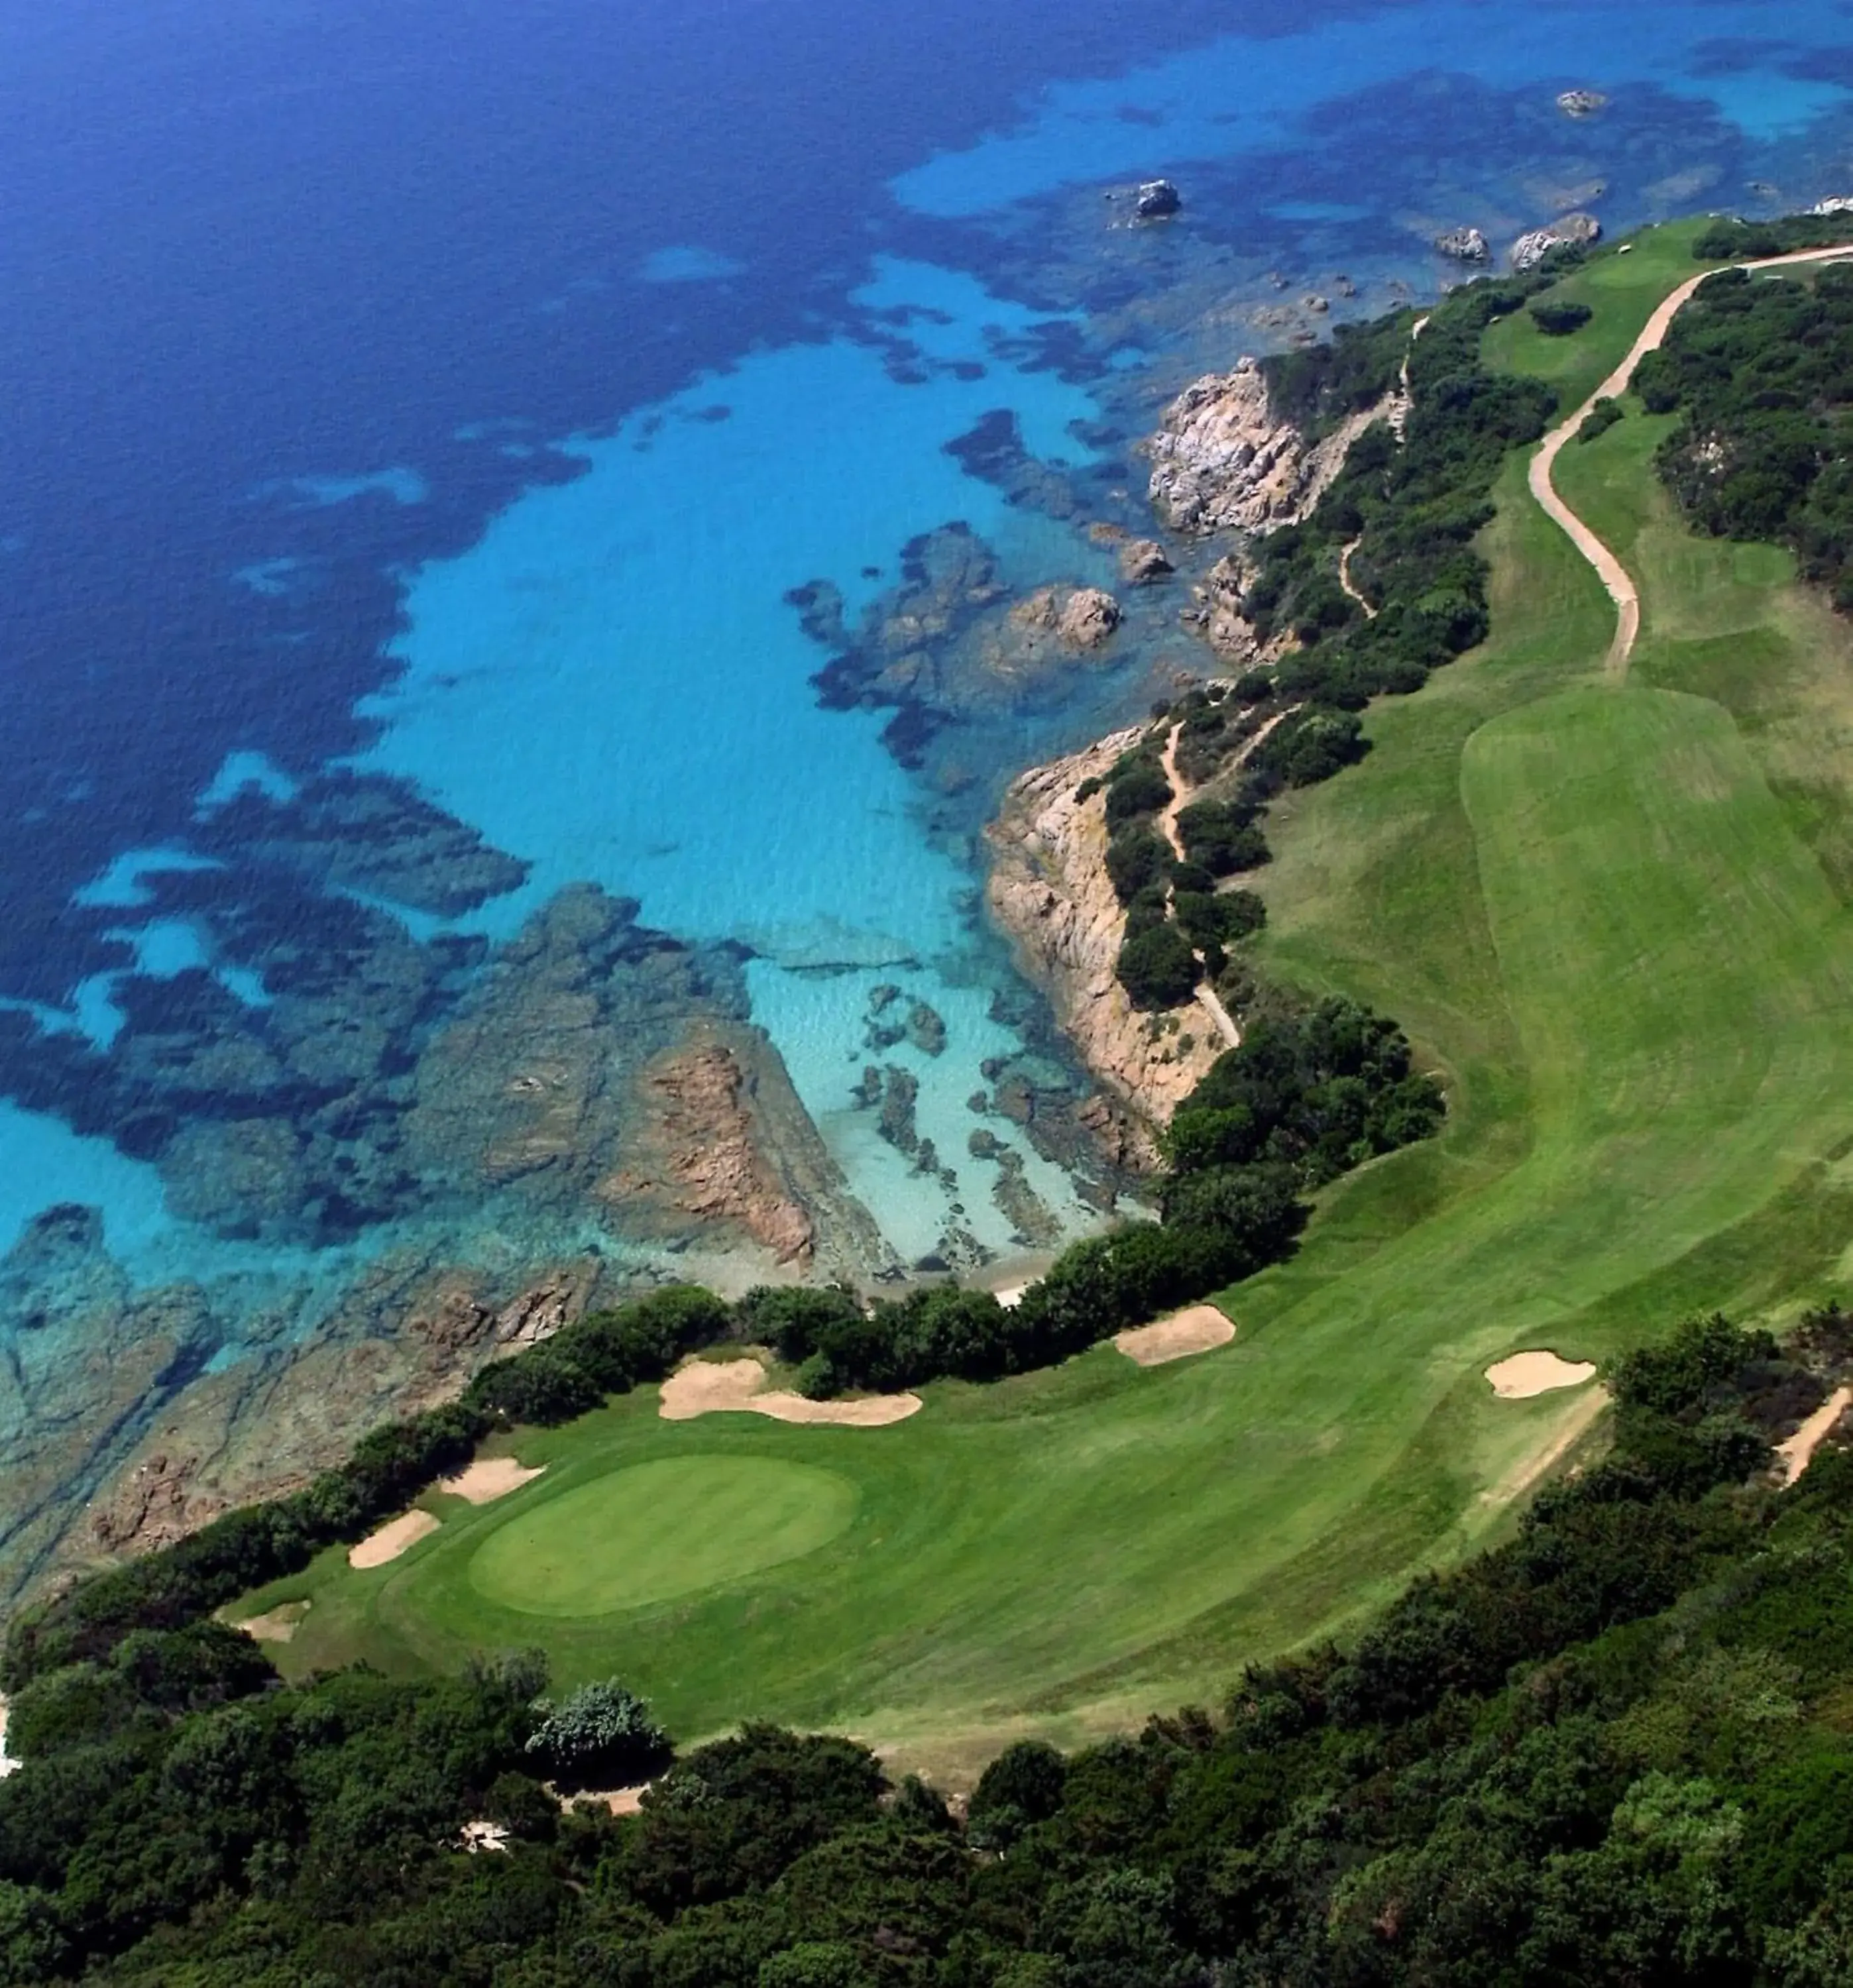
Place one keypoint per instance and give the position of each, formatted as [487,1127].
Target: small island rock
[1158,200]
[1142,561]
[1465,245]
[1582,102]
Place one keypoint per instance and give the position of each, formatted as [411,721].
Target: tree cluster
[1760,368]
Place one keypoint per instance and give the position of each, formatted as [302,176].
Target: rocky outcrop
[1049,893]
[1222,458]
[1573,231]
[129,1419]
[1080,617]
[1219,616]
[948,646]
[1157,200]
[1464,244]
[1582,102]
[1142,561]
[722,1140]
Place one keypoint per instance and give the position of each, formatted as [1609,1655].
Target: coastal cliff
[1224,459]
[1049,893]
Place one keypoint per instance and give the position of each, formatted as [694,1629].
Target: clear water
[464,423]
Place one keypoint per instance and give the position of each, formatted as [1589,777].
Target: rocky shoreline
[1049,893]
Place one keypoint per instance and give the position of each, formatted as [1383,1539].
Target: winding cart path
[1609,569]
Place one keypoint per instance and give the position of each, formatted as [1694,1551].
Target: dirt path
[1345,578]
[1182,796]
[1207,998]
[1399,422]
[1798,1452]
[1609,569]
[1528,1470]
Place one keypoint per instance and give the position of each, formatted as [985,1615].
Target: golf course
[1609,906]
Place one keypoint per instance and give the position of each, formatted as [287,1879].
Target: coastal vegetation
[1380,585]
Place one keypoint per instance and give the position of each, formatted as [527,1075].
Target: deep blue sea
[417,415]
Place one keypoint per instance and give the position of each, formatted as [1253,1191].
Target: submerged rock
[1465,245]
[1157,200]
[1572,231]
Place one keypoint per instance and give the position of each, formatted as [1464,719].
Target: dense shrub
[1220,835]
[1136,860]
[1558,319]
[1137,787]
[600,1736]
[1761,369]
[1157,967]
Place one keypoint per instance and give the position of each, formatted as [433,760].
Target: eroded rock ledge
[1223,459]
[1050,895]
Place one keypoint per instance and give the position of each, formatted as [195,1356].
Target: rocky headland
[1224,459]
[1049,893]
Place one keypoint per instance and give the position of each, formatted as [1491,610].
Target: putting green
[658,1530]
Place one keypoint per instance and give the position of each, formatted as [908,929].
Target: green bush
[1558,319]
[1157,967]
[600,1736]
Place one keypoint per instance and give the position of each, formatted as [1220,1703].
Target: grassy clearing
[1614,916]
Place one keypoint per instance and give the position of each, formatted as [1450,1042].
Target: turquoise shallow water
[607,682]
[613,687]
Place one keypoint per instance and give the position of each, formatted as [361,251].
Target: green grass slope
[1614,915]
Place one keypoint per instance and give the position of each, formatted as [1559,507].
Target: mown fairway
[1613,914]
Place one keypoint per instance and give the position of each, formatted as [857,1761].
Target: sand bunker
[1528,1373]
[619,1801]
[490,1478]
[277,1624]
[396,1537]
[720,1387]
[1798,1452]
[1195,1329]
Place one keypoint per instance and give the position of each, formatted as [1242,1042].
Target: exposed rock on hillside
[1050,894]
[1573,231]
[1220,621]
[1223,459]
